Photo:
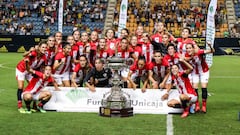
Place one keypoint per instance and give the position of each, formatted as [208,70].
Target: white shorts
[201,77]
[60,78]
[174,94]
[34,96]
[21,76]
[193,98]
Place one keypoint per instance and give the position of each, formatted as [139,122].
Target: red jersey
[93,45]
[139,72]
[137,50]
[37,83]
[157,37]
[198,62]
[50,54]
[124,53]
[183,83]
[147,51]
[103,53]
[81,73]
[158,69]
[174,60]
[64,67]
[111,45]
[34,62]
[181,47]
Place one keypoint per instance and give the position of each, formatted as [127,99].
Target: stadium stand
[32,17]
[175,14]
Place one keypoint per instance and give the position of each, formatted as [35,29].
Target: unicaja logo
[74,95]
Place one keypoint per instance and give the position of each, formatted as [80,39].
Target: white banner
[60,16]
[210,31]
[122,16]
[82,100]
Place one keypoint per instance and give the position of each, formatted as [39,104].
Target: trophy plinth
[116,103]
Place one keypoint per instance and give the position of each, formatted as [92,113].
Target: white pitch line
[169,124]
[1,66]
[231,77]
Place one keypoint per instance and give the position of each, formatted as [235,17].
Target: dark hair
[108,30]
[76,31]
[169,45]
[64,44]
[141,57]
[186,28]
[126,30]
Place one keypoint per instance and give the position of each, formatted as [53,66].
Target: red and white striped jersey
[198,62]
[147,51]
[37,83]
[34,62]
[64,67]
[158,69]
[183,83]
[181,47]
[124,53]
[50,54]
[139,72]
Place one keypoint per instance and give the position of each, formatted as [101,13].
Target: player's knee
[27,96]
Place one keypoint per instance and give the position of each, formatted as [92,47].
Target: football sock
[204,93]
[28,104]
[19,94]
[196,90]
[42,103]
[184,103]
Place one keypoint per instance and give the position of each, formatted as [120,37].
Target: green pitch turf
[221,117]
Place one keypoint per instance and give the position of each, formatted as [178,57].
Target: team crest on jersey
[104,54]
[119,54]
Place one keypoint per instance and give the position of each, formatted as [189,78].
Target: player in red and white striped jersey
[51,50]
[62,66]
[137,49]
[147,48]
[157,70]
[184,86]
[200,72]
[181,46]
[137,74]
[37,59]
[35,89]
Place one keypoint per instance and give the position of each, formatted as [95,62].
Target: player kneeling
[35,89]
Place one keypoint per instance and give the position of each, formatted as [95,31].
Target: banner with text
[82,100]
[210,31]
[123,16]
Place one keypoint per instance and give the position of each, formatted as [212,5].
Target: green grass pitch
[221,117]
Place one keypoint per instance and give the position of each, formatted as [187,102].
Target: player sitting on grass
[35,88]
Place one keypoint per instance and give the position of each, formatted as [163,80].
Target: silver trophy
[116,103]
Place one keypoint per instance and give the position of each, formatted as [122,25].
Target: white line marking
[2,66]
[169,124]
[231,77]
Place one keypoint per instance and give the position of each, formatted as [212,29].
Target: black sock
[42,103]
[184,103]
[204,93]
[19,94]
[28,104]
[196,90]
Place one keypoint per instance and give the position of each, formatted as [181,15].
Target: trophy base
[110,112]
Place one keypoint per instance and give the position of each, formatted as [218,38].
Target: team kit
[160,61]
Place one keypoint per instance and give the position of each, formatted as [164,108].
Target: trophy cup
[116,103]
